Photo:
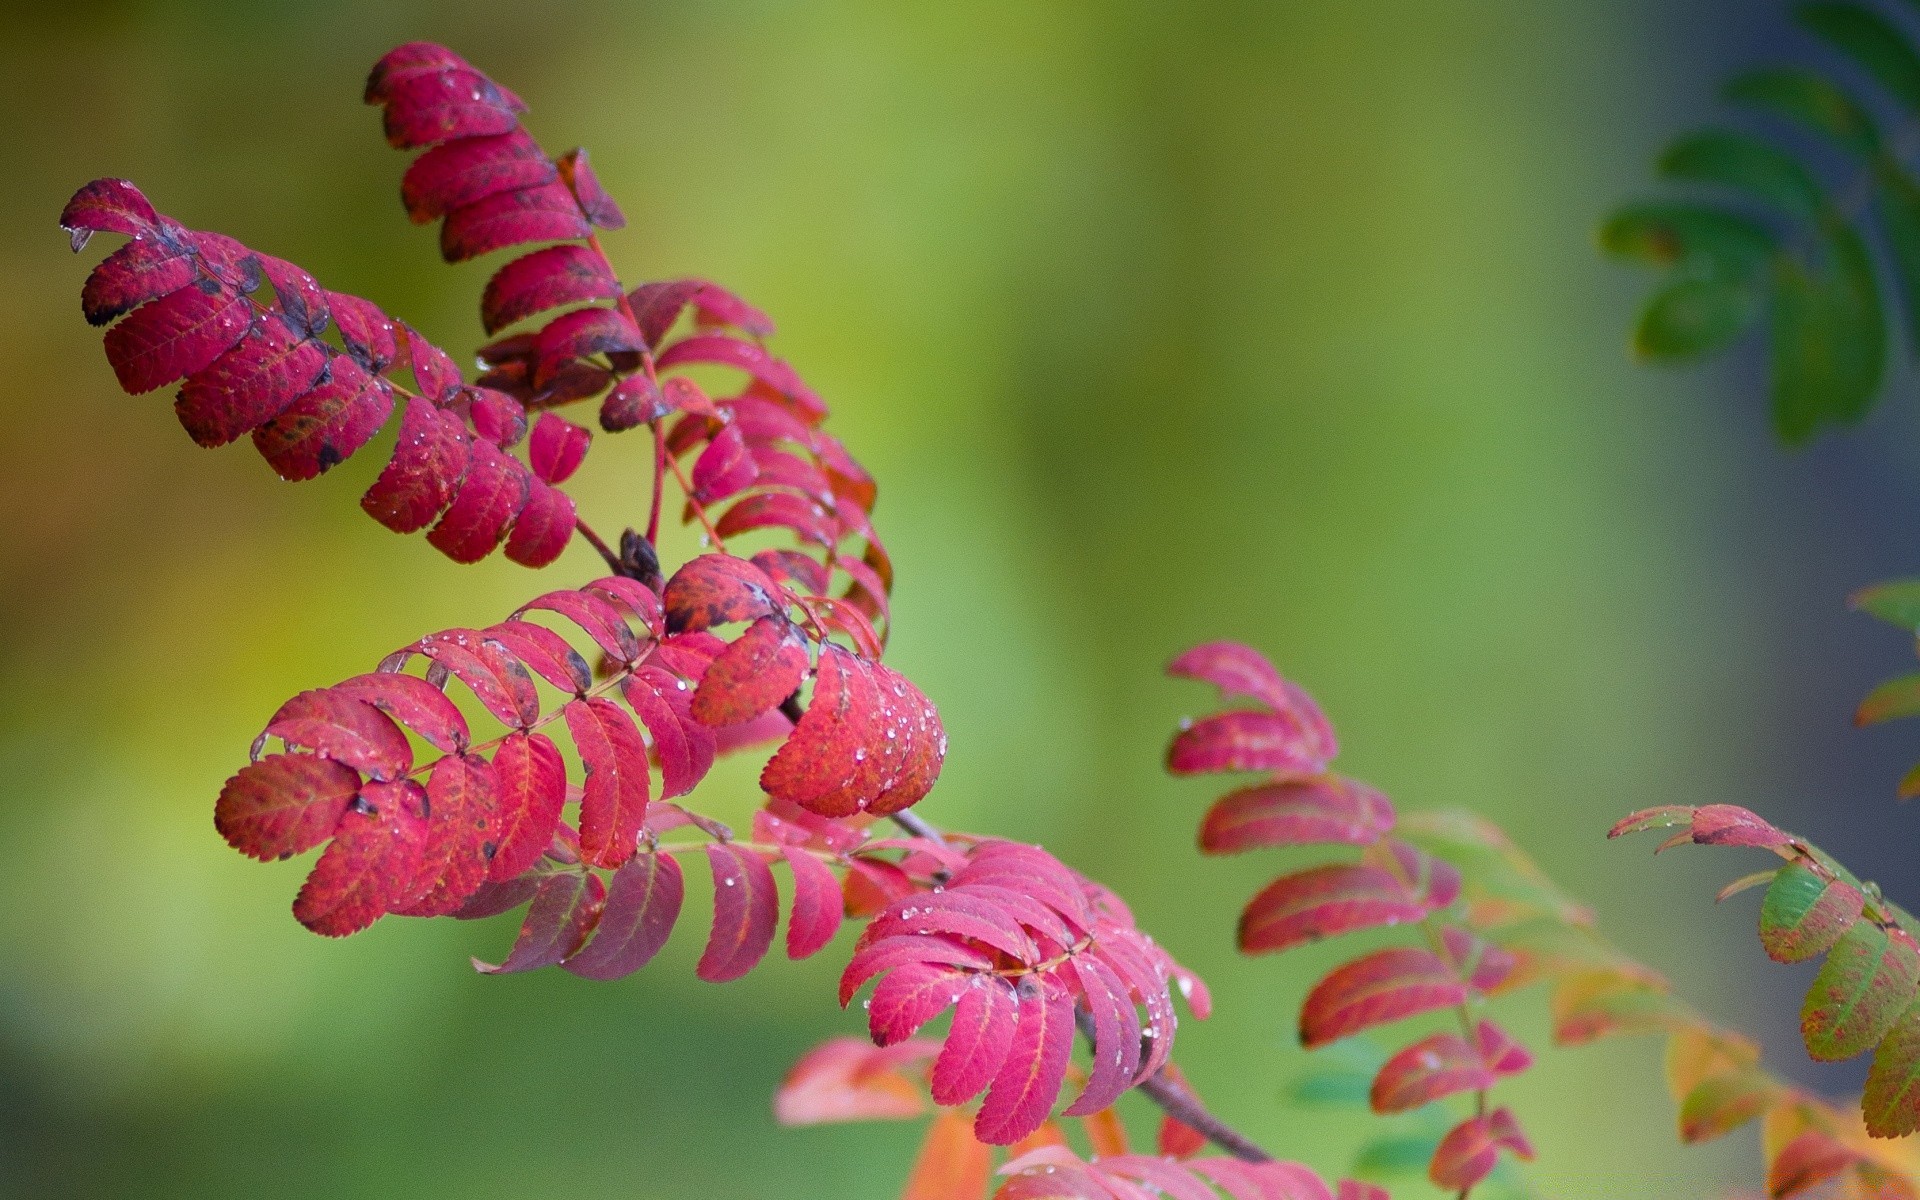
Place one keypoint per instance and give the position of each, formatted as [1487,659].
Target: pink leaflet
[815,915]
[1028,1082]
[531,783]
[428,107]
[980,1041]
[283,805]
[491,495]
[252,383]
[911,995]
[683,747]
[545,653]
[614,804]
[715,305]
[957,914]
[1248,740]
[1385,986]
[594,201]
[414,703]
[493,415]
[874,956]
[298,298]
[496,678]
[926,751]
[1235,669]
[656,306]
[176,335]
[107,206]
[1472,1148]
[1433,1067]
[538,214]
[643,902]
[790,567]
[746,907]
[582,332]
[815,766]
[433,369]
[413,59]
[463,834]
[717,589]
[759,669]
[341,726]
[368,333]
[637,599]
[745,356]
[557,448]
[419,482]
[459,173]
[545,279]
[146,268]
[780,510]
[636,401]
[565,908]
[1296,812]
[1116,1035]
[544,527]
[328,424]
[723,469]
[601,621]
[373,856]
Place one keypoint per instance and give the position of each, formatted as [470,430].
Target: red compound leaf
[565,908]
[1023,1091]
[643,902]
[1471,1149]
[546,213]
[176,335]
[557,448]
[758,670]
[339,725]
[980,1042]
[614,804]
[414,703]
[1385,986]
[250,384]
[580,333]
[146,268]
[550,278]
[909,996]
[372,859]
[107,206]
[468,170]
[718,589]
[1337,898]
[328,425]
[1296,812]
[420,480]
[492,493]
[746,908]
[531,780]
[816,912]
[284,805]
[463,836]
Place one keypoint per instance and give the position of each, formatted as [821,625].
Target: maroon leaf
[582,332]
[531,783]
[1116,1039]
[656,306]
[284,804]
[614,804]
[564,910]
[537,214]
[176,335]
[144,269]
[545,279]
[745,910]
[496,678]
[557,448]
[339,725]
[682,746]
[298,298]
[643,902]
[1296,812]
[1023,1092]
[724,468]
[368,333]
[431,106]
[636,401]
[252,383]
[433,369]
[463,834]
[544,527]
[816,912]
[779,510]
[1248,740]
[594,201]
[980,1042]
[716,305]
[328,424]
[414,703]
[545,653]
[598,617]
[1381,987]
[745,356]
[762,667]
[491,495]
[462,172]
[418,483]
[107,206]
[371,860]
[495,416]
[717,589]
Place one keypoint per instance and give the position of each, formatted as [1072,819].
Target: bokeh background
[1271,320]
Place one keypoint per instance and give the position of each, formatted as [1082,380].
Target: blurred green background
[1278,321]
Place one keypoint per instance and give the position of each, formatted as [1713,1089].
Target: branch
[1173,1097]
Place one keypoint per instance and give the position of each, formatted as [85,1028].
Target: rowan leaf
[107,206]
[1028,1082]
[594,201]
[1296,812]
[1446,1064]
[1323,901]
[908,997]
[144,269]
[615,789]
[463,835]
[1471,1149]
[462,172]
[175,336]
[643,902]
[565,907]
[284,805]
[1869,978]
[952,1164]
[1248,740]
[1805,913]
[537,214]
[845,1079]
[370,863]
[328,425]
[746,908]
[719,589]
[759,669]
[420,480]
[980,1042]
[1375,989]
[1891,1104]
[815,915]
[1723,1103]
[582,332]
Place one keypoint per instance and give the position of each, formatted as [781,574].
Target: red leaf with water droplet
[284,804]
[1023,1092]
[544,527]
[463,834]
[1385,986]
[497,679]
[459,173]
[250,384]
[565,908]
[557,448]
[107,206]
[908,997]
[1115,1048]
[146,268]
[582,332]
[1323,901]
[530,779]
[643,902]
[491,495]
[370,862]
[175,336]
[328,424]
[537,214]
[544,279]
[1248,740]
[414,703]
[746,907]
[980,1041]
[429,106]
[594,201]
[368,333]
[1446,1064]
[1296,812]
[338,724]
[762,667]
[718,589]
[614,802]
[428,462]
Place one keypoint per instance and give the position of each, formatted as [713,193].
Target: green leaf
[1706,241]
[1829,339]
[1897,602]
[1746,164]
[1873,42]
[1890,701]
[1691,318]
[1810,99]
[1804,914]
[1723,1104]
[1896,204]
[1868,980]
[1892,1101]
[1392,1156]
